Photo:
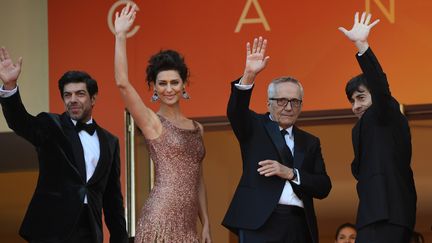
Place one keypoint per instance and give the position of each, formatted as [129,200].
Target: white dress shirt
[288,196]
[90,144]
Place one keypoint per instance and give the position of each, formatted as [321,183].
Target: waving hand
[124,19]
[256,60]
[360,31]
[9,71]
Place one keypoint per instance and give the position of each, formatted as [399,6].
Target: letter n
[388,13]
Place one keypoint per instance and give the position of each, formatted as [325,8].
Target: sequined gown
[171,210]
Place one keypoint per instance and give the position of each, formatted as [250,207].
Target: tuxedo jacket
[59,195]
[382,155]
[256,196]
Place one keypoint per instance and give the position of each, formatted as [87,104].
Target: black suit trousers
[82,231]
[383,232]
[287,224]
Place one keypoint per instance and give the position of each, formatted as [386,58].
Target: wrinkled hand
[272,167]
[256,60]
[9,71]
[124,19]
[206,238]
[360,30]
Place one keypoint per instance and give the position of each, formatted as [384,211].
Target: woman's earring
[154,97]
[185,95]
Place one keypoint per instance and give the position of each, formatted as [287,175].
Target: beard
[78,112]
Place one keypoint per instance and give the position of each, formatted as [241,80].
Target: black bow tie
[89,128]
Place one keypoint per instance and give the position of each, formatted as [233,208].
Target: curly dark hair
[166,60]
[78,77]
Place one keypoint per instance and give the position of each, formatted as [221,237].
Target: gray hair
[271,91]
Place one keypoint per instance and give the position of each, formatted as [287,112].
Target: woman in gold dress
[175,144]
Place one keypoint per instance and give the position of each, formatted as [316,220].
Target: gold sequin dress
[171,211]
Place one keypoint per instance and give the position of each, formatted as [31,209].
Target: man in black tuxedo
[283,169]
[79,163]
[382,149]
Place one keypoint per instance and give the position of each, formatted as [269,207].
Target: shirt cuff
[241,86]
[7,93]
[360,53]
[297,179]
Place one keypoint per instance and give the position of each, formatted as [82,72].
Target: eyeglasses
[296,103]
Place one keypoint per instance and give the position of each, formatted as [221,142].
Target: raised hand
[256,60]
[360,30]
[9,71]
[124,19]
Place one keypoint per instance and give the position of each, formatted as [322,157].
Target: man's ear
[93,99]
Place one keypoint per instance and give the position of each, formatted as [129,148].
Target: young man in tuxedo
[382,149]
[283,168]
[79,163]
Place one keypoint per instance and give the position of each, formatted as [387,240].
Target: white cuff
[7,93]
[241,86]
[297,179]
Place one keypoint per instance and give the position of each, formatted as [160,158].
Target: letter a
[261,19]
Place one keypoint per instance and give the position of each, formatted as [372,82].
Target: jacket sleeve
[19,120]
[113,208]
[378,85]
[238,112]
[315,183]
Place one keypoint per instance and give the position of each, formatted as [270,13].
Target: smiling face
[169,87]
[360,100]
[286,115]
[77,101]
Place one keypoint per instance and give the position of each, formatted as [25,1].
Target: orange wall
[303,42]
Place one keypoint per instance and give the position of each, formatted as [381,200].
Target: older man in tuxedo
[79,165]
[283,169]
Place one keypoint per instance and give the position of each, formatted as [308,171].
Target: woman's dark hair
[166,60]
[78,77]
[343,226]
[354,84]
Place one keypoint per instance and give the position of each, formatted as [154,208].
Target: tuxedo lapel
[62,136]
[104,155]
[75,142]
[299,147]
[272,129]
